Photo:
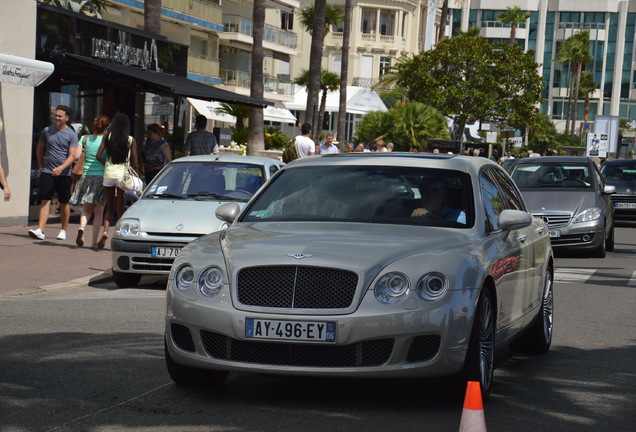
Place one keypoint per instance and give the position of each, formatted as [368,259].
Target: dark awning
[163,83]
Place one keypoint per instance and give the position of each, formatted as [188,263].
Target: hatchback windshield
[201,180]
[376,194]
[551,175]
[619,171]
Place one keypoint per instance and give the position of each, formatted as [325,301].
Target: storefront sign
[127,55]
[23,71]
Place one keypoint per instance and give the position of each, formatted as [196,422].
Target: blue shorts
[60,184]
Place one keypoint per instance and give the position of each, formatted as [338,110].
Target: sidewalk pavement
[29,266]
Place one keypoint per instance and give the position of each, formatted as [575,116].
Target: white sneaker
[37,234]
[61,235]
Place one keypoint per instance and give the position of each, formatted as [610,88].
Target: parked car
[570,194]
[621,173]
[177,207]
[368,265]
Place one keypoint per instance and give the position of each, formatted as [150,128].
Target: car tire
[480,357]
[609,243]
[601,250]
[126,280]
[188,376]
[539,336]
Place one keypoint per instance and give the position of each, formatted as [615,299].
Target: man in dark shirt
[200,142]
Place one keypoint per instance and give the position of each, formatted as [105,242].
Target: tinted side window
[512,198]
[492,199]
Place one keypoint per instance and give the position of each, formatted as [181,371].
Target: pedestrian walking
[328,147]
[56,151]
[304,144]
[117,149]
[89,191]
[156,153]
[201,141]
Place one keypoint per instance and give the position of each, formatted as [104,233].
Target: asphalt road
[91,359]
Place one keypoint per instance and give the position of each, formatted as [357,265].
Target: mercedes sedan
[621,173]
[368,265]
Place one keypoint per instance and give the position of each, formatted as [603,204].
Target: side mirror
[227,212]
[609,189]
[132,196]
[514,219]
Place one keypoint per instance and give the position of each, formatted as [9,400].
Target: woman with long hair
[89,191]
[119,146]
[156,152]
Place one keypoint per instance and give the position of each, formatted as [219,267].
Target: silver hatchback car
[177,207]
[364,264]
[571,195]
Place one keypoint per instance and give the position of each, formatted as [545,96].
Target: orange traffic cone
[473,414]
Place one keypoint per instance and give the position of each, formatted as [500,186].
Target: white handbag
[130,180]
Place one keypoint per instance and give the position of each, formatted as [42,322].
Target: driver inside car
[433,192]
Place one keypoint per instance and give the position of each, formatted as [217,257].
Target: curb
[83,282]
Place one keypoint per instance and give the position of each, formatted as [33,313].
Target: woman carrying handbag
[89,191]
[118,145]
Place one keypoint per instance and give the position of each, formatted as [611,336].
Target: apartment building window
[198,47]
[287,20]
[594,17]
[387,23]
[490,15]
[368,21]
[385,63]
[570,17]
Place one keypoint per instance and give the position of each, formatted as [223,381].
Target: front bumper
[130,256]
[414,339]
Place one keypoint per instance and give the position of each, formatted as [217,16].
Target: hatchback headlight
[210,281]
[392,288]
[127,227]
[184,277]
[590,214]
[432,286]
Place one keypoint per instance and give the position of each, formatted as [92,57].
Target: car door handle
[522,238]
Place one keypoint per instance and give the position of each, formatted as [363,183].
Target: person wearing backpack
[305,146]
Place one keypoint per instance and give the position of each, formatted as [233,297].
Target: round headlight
[184,277]
[432,286]
[127,227]
[392,288]
[210,281]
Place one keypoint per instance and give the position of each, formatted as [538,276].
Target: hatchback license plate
[555,233]
[314,331]
[625,205]
[165,252]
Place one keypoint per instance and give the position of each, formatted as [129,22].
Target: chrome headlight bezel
[392,288]
[432,286]
[588,215]
[128,227]
[183,277]
[210,281]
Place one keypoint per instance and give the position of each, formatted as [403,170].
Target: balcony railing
[499,24]
[238,24]
[364,82]
[203,65]
[240,78]
[582,26]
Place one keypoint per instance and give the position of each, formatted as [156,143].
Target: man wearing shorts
[55,153]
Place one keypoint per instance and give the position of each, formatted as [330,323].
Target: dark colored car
[621,174]
[569,193]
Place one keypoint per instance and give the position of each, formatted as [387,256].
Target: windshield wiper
[201,196]
[165,195]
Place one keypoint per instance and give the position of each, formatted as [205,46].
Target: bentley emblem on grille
[299,255]
[179,227]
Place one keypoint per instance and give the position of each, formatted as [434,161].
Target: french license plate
[165,252]
[625,205]
[555,233]
[315,331]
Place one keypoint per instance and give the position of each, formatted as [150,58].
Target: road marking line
[632,281]
[573,275]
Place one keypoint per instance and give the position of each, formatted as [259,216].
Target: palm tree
[241,112]
[315,62]
[513,16]
[329,81]
[472,31]
[415,123]
[255,141]
[442,22]
[582,57]
[586,88]
[333,17]
[344,76]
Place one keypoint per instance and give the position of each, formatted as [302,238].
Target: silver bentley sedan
[365,264]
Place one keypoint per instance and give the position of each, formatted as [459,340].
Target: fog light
[586,238]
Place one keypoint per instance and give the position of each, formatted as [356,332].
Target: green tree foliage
[333,17]
[274,138]
[468,79]
[329,81]
[586,88]
[406,124]
[543,136]
[241,112]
